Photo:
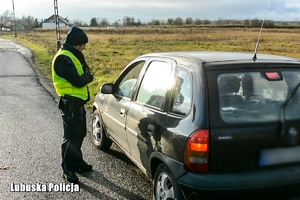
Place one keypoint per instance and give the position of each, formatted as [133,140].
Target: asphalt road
[30,139]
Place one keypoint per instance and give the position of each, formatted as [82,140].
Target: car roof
[221,56]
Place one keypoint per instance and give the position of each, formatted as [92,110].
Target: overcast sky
[146,10]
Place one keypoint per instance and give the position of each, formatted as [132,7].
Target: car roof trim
[221,56]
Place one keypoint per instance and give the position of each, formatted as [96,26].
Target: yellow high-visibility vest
[62,86]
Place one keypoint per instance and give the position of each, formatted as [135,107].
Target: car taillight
[197,150]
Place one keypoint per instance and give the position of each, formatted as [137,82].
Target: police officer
[70,74]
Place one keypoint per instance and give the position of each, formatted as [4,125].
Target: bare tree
[28,22]
[78,23]
[255,22]
[128,21]
[197,22]
[103,22]
[178,21]
[170,21]
[188,20]
[155,22]
[7,16]
[117,23]
[246,22]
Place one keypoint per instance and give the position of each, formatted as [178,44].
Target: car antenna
[254,57]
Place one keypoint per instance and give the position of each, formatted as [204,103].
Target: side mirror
[106,88]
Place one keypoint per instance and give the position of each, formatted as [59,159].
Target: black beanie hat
[76,36]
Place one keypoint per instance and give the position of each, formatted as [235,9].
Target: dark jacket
[65,68]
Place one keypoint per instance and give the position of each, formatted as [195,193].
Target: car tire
[99,136]
[165,185]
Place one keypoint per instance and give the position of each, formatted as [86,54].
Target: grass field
[108,51]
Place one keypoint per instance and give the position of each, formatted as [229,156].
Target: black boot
[70,176]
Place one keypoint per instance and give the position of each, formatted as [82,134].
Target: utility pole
[56,18]
[13,4]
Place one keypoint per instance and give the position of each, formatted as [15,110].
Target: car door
[117,104]
[146,113]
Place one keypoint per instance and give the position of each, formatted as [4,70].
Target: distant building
[111,27]
[20,26]
[50,22]
[6,28]
[9,26]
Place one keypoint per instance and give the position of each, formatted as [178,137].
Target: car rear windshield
[258,96]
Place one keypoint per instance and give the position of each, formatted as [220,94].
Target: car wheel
[165,185]
[98,134]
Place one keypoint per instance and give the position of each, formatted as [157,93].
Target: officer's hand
[90,75]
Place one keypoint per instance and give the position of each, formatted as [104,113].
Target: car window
[257,96]
[128,83]
[155,84]
[182,94]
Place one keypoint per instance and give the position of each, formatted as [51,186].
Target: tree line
[29,22]
[128,21]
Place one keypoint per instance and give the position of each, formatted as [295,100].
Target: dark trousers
[74,124]
[71,153]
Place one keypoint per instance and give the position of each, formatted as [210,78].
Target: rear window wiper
[282,109]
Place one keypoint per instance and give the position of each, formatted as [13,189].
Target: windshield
[258,96]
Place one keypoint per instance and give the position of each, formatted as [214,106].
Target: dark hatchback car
[204,124]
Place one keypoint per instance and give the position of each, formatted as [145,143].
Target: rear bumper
[269,182]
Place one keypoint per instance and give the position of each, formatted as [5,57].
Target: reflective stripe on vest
[62,86]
